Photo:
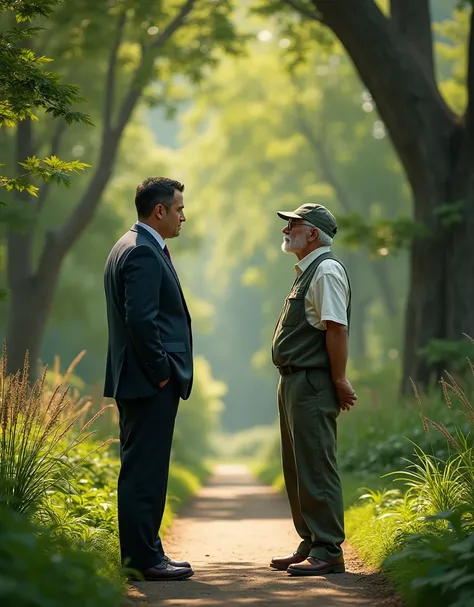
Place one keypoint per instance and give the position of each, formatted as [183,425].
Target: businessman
[149,368]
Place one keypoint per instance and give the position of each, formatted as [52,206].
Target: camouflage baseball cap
[315,214]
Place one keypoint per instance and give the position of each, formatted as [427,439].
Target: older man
[310,346]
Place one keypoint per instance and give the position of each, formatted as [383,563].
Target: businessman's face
[173,217]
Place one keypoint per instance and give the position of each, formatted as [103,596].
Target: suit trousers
[146,433]
[308,409]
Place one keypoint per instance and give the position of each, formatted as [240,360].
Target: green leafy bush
[198,419]
[37,436]
[42,569]
[379,434]
[387,451]
[424,536]
[442,564]
[53,471]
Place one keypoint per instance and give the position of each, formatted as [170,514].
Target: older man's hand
[345,393]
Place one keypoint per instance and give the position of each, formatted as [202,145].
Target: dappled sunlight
[229,533]
[254,108]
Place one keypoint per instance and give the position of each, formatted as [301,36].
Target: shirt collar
[153,232]
[304,263]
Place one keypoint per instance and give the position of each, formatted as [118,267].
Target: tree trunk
[434,147]
[359,330]
[440,303]
[27,322]
[32,292]
[33,288]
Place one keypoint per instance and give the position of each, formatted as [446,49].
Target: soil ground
[229,532]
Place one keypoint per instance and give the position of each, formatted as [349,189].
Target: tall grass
[37,435]
[424,535]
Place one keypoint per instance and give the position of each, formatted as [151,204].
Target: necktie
[166,251]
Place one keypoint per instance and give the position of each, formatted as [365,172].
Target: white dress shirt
[153,232]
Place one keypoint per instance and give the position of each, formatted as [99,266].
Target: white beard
[294,244]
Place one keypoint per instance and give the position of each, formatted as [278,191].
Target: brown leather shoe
[312,566]
[165,571]
[174,563]
[283,562]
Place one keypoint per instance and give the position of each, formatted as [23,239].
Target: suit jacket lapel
[156,244]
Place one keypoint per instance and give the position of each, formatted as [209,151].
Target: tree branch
[317,145]
[303,10]
[60,240]
[173,25]
[413,22]
[111,73]
[54,151]
[19,263]
[469,117]
[146,64]
[419,122]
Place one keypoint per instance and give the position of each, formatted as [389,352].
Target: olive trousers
[308,410]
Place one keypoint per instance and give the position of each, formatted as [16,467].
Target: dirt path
[229,533]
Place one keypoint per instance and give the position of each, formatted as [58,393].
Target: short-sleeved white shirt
[328,294]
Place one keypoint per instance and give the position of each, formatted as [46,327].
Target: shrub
[426,535]
[198,418]
[42,569]
[441,565]
[36,438]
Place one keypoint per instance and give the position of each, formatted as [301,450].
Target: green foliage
[89,502]
[269,467]
[285,149]
[92,496]
[452,213]
[198,417]
[387,449]
[50,169]
[35,439]
[441,350]
[84,510]
[24,84]
[424,535]
[444,563]
[250,443]
[453,35]
[428,556]
[26,87]
[392,428]
[381,237]
[39,568]
[53,472]
[124,55]
[369,533]
[29,9]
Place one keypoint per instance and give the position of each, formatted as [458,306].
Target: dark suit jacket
[149,324]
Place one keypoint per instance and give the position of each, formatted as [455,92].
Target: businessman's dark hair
[153,191]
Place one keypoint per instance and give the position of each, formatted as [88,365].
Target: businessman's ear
[159,211]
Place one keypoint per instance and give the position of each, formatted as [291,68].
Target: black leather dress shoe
[164,572]
[166,559]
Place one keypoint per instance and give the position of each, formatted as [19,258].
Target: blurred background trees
[256,111]
[122,55]
[391,46]
[257,106]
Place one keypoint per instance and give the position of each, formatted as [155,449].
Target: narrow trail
[229,532]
